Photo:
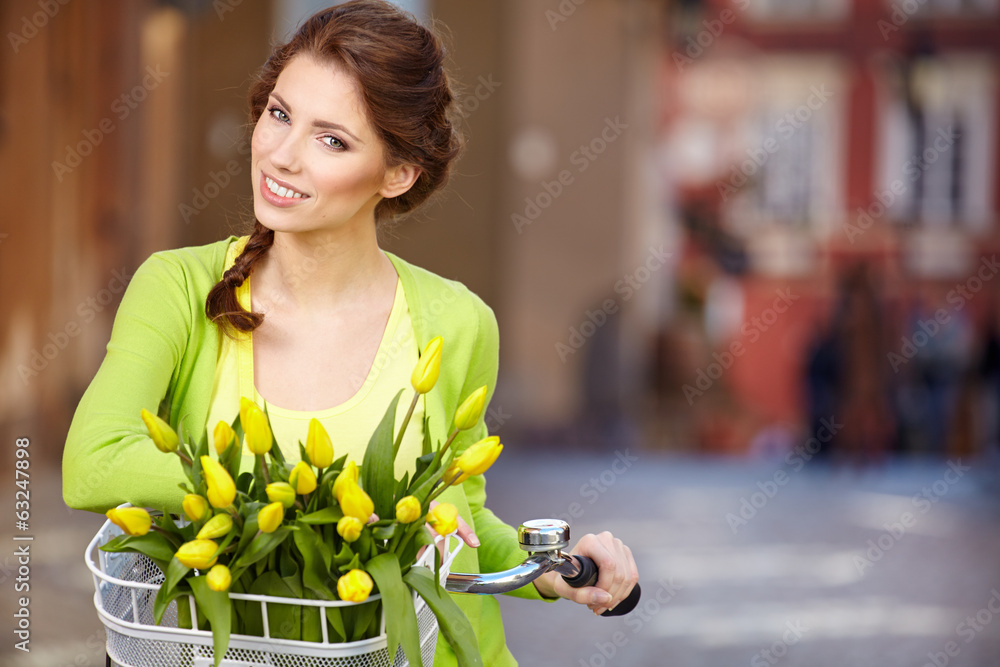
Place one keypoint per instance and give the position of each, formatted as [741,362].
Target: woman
[354,123]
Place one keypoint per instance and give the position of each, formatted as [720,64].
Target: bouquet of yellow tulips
[320,529]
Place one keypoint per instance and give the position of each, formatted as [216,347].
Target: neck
[321,269]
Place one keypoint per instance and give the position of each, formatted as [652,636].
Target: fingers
[617,572]
[465,532]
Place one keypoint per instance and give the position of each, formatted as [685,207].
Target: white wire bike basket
[126,585]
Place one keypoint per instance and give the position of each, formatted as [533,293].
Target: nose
[285,151]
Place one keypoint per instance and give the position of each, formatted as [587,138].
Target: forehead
[322,90]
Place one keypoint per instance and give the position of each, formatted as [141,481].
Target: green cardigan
[163,350]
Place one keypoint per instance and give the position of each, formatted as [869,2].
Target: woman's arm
[109,457]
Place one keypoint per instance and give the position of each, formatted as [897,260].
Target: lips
[280,193]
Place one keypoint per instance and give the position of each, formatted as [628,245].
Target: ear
[398,180]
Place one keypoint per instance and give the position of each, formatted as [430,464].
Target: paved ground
[814,578]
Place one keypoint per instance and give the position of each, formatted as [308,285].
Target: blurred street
[798,584]
[795,580]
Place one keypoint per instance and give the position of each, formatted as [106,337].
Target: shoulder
[204,260]
[437,303]
[193,270]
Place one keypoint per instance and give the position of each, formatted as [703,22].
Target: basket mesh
[139,649]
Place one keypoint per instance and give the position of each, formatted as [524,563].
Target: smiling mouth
[282,191]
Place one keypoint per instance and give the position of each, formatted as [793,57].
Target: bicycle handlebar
[587,575]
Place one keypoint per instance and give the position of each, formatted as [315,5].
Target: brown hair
[398,65]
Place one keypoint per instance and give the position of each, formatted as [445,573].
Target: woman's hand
[617,574]
[464,532]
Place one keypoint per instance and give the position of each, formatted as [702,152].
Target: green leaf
[344,555]
[260,547]
[244,481]
[284,620]
[400,616]
[216,608]
[326,515]
[384,532]
[379,479]
[336,624]
[154,545]
[453,623]
[174,574]
[315,572]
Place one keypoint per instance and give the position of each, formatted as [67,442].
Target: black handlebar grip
[587,576]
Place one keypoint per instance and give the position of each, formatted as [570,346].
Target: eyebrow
[324,124]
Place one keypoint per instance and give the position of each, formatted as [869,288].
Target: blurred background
[742,254]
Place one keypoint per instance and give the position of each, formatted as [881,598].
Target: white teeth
[282,191]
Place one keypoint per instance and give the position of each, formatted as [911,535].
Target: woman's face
[317,163]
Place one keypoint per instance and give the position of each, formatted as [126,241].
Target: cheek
[261,138]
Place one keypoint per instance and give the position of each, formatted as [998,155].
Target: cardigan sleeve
[109,458]
[498,548]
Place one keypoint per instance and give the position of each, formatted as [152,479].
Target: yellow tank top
[349,424]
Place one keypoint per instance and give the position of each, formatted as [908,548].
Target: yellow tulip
[270,517]
[349,473]
[163,436]
[355,502]
[302,478]
[256,428]
[132,520]
[195,506]
[443,518]
[218,526]
[319,449]
[425,373]
[350,528]
[355,586]
[408,510]
[223,435]
[281,492]
[219,578]
[221,490]
[454,476]
[198,554]
[470,410]
[479,457]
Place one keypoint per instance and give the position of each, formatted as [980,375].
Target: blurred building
[834,163]
[668,204]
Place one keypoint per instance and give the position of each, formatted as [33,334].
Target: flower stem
[406,421]
[263,467]
[184,457]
